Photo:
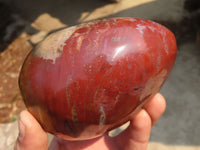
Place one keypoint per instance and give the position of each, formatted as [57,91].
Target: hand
[135,137]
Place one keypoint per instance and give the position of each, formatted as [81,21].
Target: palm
[104,142]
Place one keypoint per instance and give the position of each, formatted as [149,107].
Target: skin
[135,137]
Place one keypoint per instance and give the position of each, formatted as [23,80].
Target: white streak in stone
[132,19]
[69,80]
[102,117]
[152,28]
[163,33]
[143,21]
[117,99]
[141,28]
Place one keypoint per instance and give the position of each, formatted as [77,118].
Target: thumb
[31,135]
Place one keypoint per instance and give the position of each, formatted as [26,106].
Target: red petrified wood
[85,80]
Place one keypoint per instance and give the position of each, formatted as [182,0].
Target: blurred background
[23,23]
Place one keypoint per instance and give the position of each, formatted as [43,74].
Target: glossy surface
[87,79]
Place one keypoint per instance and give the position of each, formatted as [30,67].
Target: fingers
[136,136]
[155,107]
[31,135]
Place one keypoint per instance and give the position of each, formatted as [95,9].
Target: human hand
[135,137]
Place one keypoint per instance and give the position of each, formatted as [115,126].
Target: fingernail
[21,130]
